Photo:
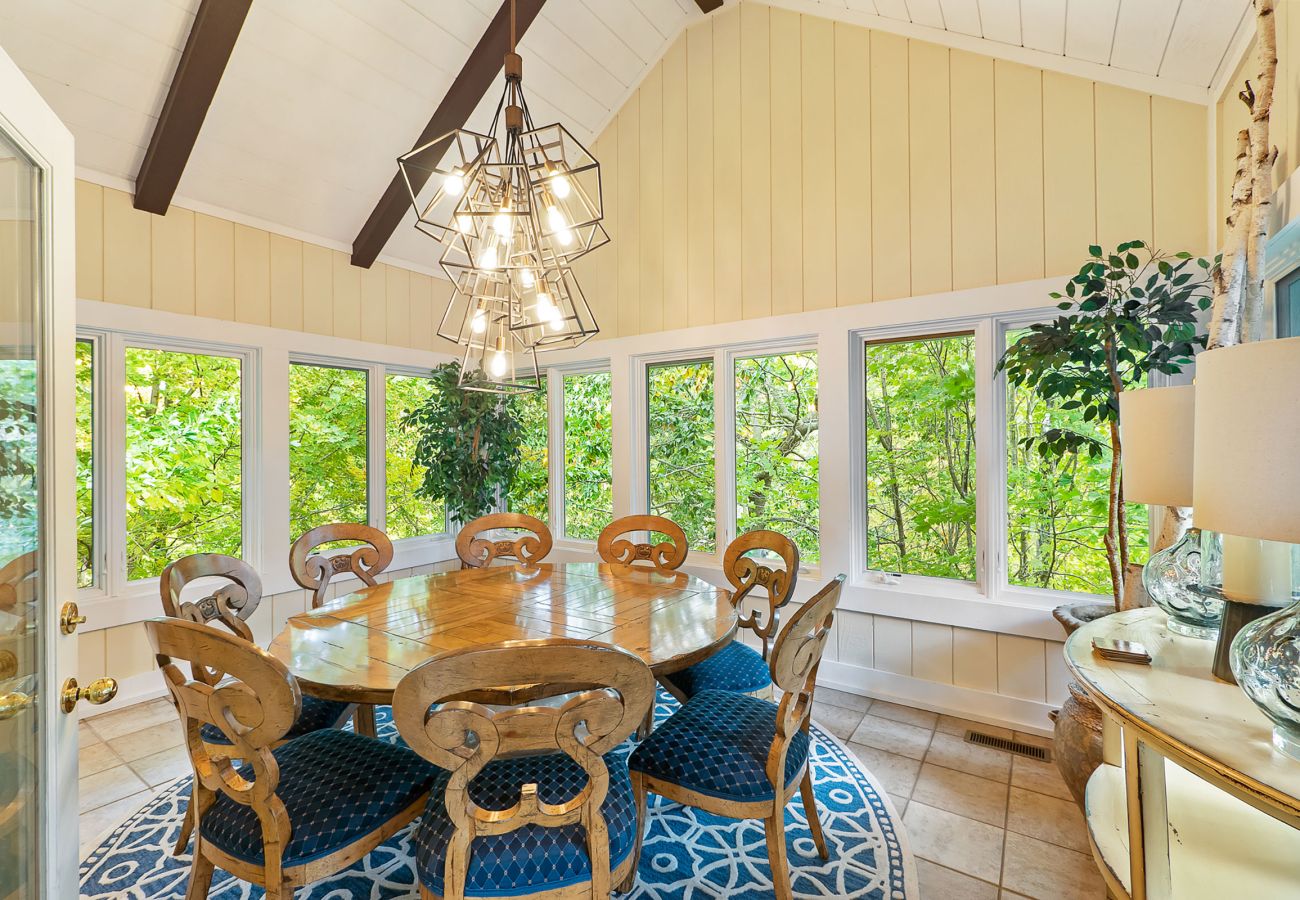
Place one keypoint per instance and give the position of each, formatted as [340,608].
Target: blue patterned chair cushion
[533,858]
[717,745]
[316,714]
[337,787]
[735,667]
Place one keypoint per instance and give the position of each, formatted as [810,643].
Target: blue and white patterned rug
[687,855]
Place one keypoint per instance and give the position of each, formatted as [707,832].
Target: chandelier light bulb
[464,223]
[528,279]
[504,223]
[565,236]
[488,257]
[557,320]
[545,307]
[556,218]
[454,184]
[478,324]
[560,186]
[498,364]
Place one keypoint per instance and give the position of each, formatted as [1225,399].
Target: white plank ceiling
[320,96]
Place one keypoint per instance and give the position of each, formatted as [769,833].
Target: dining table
[357,647]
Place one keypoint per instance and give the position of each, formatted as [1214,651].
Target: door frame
[29,121]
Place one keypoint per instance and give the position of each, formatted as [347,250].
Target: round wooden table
[358,647]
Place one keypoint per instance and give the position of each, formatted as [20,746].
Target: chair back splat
[748,574]
[314,572]
[476,552]
[230,604]
[663,556]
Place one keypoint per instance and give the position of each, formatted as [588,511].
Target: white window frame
[98,424]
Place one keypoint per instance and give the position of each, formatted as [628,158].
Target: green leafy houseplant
[1125,314]
[468,445]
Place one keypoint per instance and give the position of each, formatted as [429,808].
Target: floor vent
[1009,746]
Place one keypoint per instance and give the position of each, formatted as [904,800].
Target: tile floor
[983,825]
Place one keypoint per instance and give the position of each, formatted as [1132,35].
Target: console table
[1192,800]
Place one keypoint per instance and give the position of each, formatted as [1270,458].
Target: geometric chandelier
[512,209]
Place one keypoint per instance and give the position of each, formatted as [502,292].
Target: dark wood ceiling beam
[476,78]
[708,6]
[203,61]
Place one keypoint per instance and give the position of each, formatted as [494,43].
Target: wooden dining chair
[279,816]
[533,801]
[663,556]
[477,552]
[231,603]
[314,571]
[18,582]
[739,756]
[758,593]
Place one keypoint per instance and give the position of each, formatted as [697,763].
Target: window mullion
[377,447]
[724,417]
[113,456]
[990,461]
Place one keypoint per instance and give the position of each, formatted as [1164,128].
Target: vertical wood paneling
[286,283]
[398,308]
[1058,673]
[629,218]
[214,267]
[421,312]
[317,290]
[893,645]
[90,241]
[127,241]
[1178,148]
[818,132]
[856,639]
[1022,668]
[252,276]
[172,261]
[1018,123]
[699,180]
[347,296]
[932,652]
[1123,168]
[92,661]
[1069,173]
[374,303]
[675,162]
[651,306]
[127,650]
[852,165]
[604,299]
[974,656]
[974,185]
[756,175]
[726,165]
[891,225]
[787,162]
[930,168]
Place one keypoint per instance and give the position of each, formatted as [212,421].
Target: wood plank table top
[357,647]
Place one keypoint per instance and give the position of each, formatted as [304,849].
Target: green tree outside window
[529,492]
[588,481]
[85,404]
[408,514]
[680,431]
[328,446]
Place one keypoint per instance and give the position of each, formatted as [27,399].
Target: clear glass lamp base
[1201,632]
[1286,742]
[1171,577]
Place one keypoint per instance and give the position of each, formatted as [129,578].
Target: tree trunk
[1174,524]
[1262,156]
[1229,275]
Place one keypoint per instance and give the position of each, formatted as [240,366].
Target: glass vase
[1170,577]
[1266,661]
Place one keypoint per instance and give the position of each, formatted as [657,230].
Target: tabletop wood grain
[357,647]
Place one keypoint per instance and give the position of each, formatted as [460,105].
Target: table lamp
[1157,426]
[1246,484]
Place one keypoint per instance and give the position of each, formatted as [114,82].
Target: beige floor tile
[107,786]
[1011,895]
[86,735]
[900,804]
[1048,819]
[164,766]
[1047,872]
[919,717]
[97,757]
[939,883]
[952,752]
[955,726]
[132,718]
[1042,777]
[97,823]
[843,699]
[892,736]
[148,741]
[837,720]
[896,774]
[966,795]
[972,848]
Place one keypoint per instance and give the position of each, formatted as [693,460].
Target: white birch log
[1228,276]
[1262,155]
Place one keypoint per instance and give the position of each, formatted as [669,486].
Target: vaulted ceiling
[320,96]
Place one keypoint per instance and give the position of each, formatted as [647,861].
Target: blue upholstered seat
[337,787]
[735,667]
[717,745]
[316,714]
[533,858]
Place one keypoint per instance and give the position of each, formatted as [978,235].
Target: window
[1287,297]
[85,403]
[408,514]
[776,448]
[328,446]
[679,414]
[528,493]
[588,481]
[1057,508]
[184,464]
[920,456]
[18,521]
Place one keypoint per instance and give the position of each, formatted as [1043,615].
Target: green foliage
[328,441]
[183,458]
[680,428]
[18,504]
[528,491]
[776,448]
[588,479]
[409,514]
[920,440]
[85,392]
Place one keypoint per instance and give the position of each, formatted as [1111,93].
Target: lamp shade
[1157,433]
[1246,477]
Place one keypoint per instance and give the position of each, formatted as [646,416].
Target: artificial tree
[1125,314]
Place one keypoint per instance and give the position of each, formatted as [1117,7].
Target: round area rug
[687,854]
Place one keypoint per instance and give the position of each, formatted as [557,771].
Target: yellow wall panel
[890,204]
[90,241]
[974,183]
[756,176]
[374,304]
[787,163]
[398,317]
[603,294]
[818,135]
[930,168]
[852,164]
[726,165]
[422,321]
[214,267]
[286,283]
[317,289]
[347,296]
[252,276]
[1018,128]
[127,239]
[1178,148]
[1123,169]
[650,311]
[628,242]
[699,180]
[675,161]
[172,242]
[1069,172]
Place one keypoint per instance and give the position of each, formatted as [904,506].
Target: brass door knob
[101,690]
[70,617]
[12,704]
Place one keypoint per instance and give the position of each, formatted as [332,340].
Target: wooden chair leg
[776,855]
[810,811]
[639,793]
[647,725]
[187,829]
[363,720]
[200,874]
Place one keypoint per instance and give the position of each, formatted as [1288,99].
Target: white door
[38,740]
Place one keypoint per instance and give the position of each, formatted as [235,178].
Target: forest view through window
[85,463]
[588,479]
[529,492]
[920,440]
[329,443]
[408,514]
[679,426]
